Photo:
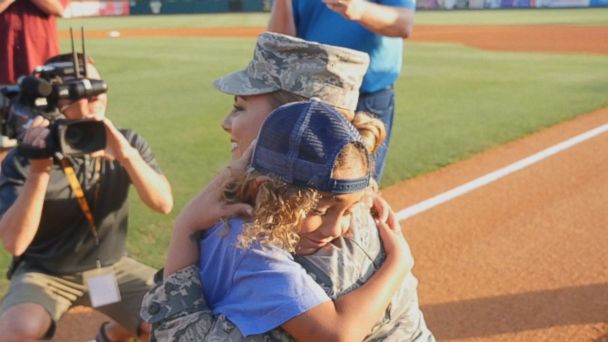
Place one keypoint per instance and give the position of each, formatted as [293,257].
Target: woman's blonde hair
[279,207]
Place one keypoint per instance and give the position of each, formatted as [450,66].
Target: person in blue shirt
[375,27]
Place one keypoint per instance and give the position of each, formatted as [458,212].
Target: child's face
[244,121]
[329,220]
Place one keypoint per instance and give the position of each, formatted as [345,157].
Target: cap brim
[240,83]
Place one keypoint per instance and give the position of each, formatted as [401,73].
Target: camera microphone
[81,88]
[34,87]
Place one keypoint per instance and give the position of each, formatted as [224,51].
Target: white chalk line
[496,175]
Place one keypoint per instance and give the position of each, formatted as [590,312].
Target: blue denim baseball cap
[299,143]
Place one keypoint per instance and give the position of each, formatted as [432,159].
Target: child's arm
[203,211]
[351,317]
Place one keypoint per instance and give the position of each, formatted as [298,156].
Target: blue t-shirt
[315,22]
[258,288]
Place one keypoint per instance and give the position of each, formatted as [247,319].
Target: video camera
[39,94]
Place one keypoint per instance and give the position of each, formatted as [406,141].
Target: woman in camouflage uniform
[284,69]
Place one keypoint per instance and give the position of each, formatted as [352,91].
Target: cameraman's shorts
[58,293]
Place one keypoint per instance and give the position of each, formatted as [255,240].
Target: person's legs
[134,280]
[381,105]
[33,305]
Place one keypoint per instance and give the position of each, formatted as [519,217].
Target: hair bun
[372,130]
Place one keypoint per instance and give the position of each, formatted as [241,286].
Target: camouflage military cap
[280,62]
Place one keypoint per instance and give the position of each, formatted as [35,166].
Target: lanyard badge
[102,285]
[101,281]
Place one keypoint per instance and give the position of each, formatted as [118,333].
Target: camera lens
[81,136]
[75,136]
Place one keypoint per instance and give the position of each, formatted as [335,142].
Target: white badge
[102,285]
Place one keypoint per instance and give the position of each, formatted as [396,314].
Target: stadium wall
[86,8]
[497,4]
[97,8]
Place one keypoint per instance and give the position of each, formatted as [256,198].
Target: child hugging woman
[309,170]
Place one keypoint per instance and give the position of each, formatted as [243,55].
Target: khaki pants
[57,294]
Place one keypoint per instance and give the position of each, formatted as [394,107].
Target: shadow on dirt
[519,312]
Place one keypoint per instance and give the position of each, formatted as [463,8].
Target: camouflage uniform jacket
[178,312]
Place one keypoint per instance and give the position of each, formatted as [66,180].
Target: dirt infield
[538,38]
[523,258]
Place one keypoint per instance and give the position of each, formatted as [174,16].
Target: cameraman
[54,243]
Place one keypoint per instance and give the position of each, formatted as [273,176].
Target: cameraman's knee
[24,322]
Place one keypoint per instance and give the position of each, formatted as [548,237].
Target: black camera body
[70,138]
[39,94]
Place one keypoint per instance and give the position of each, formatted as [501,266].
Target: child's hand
[208,207]
[395,246]
[380,208]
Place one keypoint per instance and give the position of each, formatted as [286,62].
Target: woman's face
[244,121]
[329,220]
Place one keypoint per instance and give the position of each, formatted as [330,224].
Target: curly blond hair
[279,208]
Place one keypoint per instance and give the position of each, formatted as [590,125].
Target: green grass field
[465,17]
[452,101]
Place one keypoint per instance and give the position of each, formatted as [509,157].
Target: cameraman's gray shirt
[64,243]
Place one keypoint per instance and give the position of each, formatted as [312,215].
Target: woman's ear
[259,180]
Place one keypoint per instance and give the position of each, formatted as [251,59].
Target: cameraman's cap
[280,62]
[300,142]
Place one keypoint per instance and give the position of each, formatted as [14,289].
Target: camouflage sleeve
[177,311]
[176,308]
